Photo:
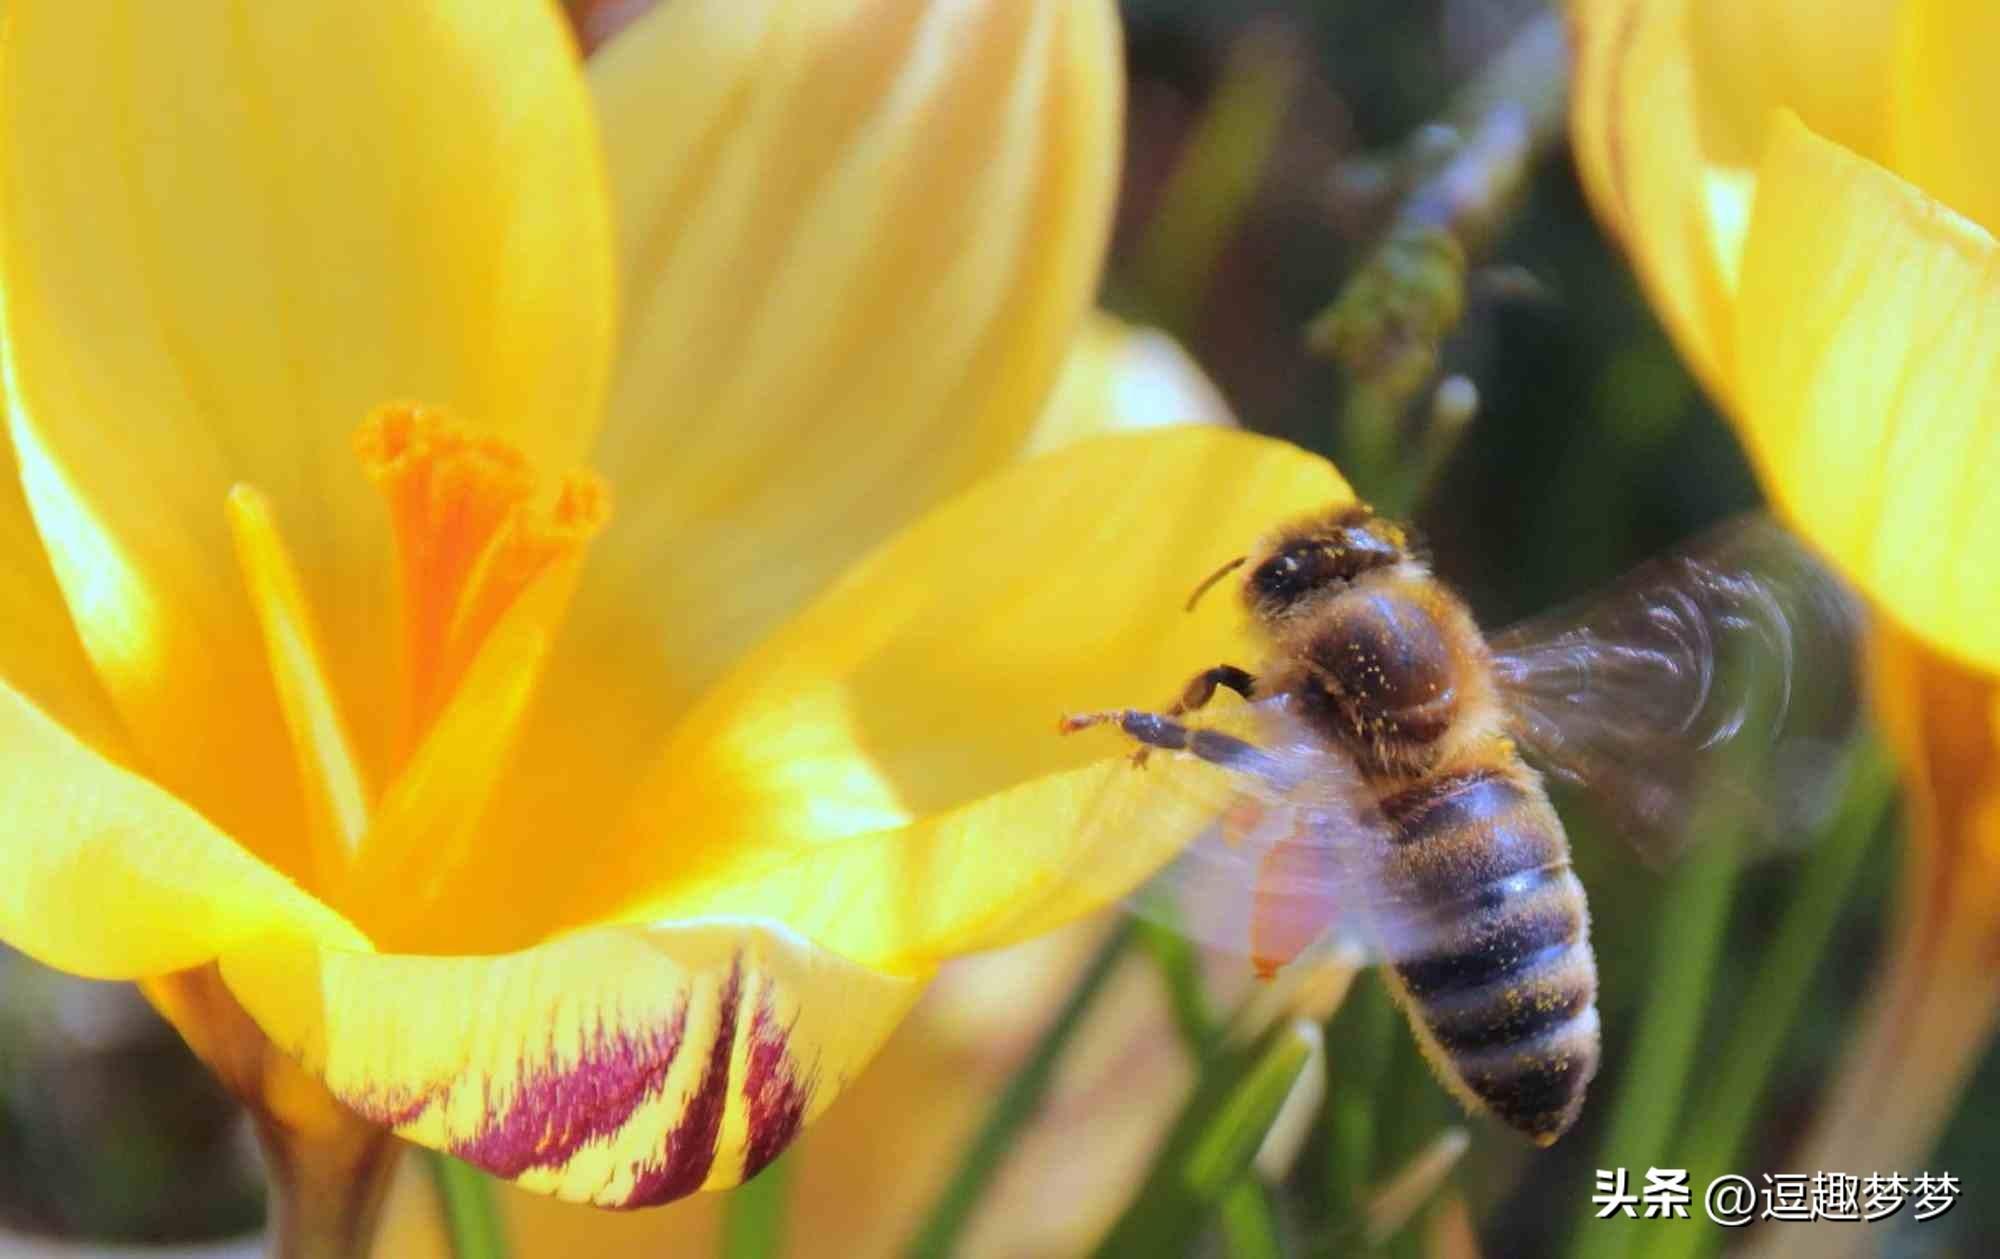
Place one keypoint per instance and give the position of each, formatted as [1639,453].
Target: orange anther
[470,537]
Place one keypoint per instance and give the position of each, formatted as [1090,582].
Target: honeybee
[1375,785]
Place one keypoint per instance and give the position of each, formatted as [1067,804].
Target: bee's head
[1320,555]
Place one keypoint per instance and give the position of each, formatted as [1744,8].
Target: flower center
[470,540]
[484,566]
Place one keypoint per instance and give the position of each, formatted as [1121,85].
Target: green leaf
[1692,926]
[471,1217]
[1214,1141]
[1016,1106]
[1712,1141]
[753,1215]
[1249,1218]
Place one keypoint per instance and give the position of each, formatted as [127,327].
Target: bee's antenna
[1214,577]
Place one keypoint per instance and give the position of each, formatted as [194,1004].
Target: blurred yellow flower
[598,848]
[1808,193]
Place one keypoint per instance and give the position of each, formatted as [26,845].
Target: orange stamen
[470,538]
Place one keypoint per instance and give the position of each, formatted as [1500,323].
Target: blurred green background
[1266,143]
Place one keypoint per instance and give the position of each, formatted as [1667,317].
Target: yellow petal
[1832,64]
[1929,1016]
[873,1165]
[906,898]
[623,1067]
[183,667]
[105,875]
[933,677]
[1638,128]
[1947,100]
[1672,102]
[1118,376]
[40,654]
[259,222]
[1872,403]
[1944,722]
[857,240]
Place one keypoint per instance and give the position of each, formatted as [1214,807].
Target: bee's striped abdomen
[1493,952]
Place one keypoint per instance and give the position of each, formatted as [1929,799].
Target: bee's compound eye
[1291,574]
[1320,563]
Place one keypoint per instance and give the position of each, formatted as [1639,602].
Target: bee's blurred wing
[1282,846]
[1722,674]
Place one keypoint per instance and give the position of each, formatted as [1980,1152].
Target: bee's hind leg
[1160,730]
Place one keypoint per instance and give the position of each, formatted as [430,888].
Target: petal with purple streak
[690,1146]
[777,1095]
[558,1112]
[624,1066]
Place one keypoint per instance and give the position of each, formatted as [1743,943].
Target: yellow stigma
[469,539]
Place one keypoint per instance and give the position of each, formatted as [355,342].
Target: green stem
[1180,971]
[1017,1105]
[1721,1116]
[1217,175]
[1249,1223]
[1692,925]
[1249,1219]
[753,1216]
[471,1216]
[1392,315]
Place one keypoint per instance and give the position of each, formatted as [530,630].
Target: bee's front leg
[1158,730]
[1161,730]
[1200,689]
[1202,686]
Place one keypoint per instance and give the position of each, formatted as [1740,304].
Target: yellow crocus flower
[1809,195]
[596,827]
